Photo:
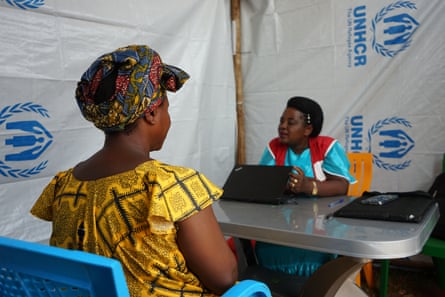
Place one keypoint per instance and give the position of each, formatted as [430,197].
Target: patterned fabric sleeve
[42,208]
[176,194]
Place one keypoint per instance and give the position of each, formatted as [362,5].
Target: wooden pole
[236,25]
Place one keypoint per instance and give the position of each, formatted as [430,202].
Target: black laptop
[258,184]
[407,207]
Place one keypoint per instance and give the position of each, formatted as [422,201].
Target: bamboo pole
[236,23]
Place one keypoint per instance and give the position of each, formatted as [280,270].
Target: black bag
[437,191]
[408,207]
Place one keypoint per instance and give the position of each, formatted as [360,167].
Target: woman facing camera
[320,168]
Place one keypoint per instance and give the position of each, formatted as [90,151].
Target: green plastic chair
[436,249]
[433,247]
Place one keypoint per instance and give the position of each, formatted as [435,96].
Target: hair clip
[308,118]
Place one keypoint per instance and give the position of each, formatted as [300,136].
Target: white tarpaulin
[45,48]
[376,67]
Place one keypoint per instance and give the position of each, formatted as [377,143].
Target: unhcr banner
[396,49]
[45,47]
[376,67]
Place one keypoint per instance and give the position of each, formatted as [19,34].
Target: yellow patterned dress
[131,217]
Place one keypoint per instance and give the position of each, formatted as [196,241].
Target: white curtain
[44,49]
[376,67]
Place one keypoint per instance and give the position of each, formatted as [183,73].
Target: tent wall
[45,48]
[376,67]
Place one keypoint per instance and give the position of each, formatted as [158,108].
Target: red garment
[318,146]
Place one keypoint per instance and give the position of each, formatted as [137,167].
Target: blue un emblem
[393,28]
[389,138]
[26,4]
[25,139]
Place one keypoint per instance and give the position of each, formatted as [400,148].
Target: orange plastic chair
[361,169]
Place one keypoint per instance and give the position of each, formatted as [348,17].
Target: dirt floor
[408,278]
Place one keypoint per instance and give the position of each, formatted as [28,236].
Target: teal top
[335,162]
[296,260]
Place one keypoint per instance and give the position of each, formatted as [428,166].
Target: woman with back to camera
[155,218]
[321,168]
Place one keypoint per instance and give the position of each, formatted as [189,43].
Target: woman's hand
[296,180]
[333,185]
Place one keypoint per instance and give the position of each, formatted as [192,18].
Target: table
[309,224]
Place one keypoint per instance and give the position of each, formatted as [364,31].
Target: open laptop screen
[257,183]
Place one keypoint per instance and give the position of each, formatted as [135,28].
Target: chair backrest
[35,270]
[361,169]
[248,288]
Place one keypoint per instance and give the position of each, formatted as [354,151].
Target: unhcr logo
[25,139]
[357,48]
[393,28]
[27,4]
[387,139]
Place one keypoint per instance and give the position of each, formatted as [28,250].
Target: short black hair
[312,111]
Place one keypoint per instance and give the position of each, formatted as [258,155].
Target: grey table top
[308,224]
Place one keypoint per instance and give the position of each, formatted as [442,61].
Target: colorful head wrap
[120,86]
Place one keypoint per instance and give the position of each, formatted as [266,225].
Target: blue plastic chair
[248,288]
[35,270]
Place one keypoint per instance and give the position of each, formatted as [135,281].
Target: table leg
[350,289]
[335,279]
[384,275]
